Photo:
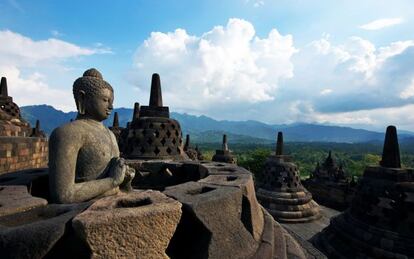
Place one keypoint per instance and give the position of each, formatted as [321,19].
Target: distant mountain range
[207,130]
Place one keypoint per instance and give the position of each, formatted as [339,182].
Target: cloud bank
[227,65]
[21,59]
[229,72]
[381,24]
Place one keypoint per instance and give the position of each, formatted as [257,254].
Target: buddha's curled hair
[91,83]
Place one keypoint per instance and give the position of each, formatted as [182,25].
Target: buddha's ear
[81,102]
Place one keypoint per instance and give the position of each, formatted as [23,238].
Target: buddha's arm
[63,150]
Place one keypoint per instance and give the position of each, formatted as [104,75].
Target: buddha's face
[99,106]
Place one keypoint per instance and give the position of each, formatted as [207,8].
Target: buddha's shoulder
[73,128]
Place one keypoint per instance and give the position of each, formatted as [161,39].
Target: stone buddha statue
[84,160]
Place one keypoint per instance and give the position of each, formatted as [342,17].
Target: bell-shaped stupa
[224,154]
[152,134]
[330,185]
[380,221]
[282,193]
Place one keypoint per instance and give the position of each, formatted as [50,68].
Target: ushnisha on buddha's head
[93,96]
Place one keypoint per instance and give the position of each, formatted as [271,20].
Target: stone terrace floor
[304,232]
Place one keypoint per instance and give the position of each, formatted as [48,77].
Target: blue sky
[333,62]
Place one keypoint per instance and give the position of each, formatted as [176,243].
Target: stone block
[139,224]
[34,233]
[211,225]
[251,218]
[14,199]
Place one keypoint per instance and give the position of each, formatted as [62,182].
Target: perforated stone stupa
[282,193]
[21,147]
[152,134]
[192,153]
[380,221]
[224,154]
[330,185]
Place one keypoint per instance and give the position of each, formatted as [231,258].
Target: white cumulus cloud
[226,65]
[381,23]
[229,72]
[22,59]
[408,92]
[16,48]
[33,89]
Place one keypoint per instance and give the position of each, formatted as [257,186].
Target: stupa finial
[156,96]
[37,127]
[115,124]
[225,146]
[3,87]
[391,151]
[135,115]
[279,144]
[187,142]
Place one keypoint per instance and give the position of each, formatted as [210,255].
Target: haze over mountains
[207,130]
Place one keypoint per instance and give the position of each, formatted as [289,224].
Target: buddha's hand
[118,170]
[130,172]
[129,176]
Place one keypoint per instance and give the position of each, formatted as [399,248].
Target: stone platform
[307,230]
[199,210]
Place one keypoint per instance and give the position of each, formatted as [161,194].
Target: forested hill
[207,130]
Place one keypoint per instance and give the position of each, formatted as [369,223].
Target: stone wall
[19,153]
[14,129]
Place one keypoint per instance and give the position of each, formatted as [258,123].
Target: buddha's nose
[110,106]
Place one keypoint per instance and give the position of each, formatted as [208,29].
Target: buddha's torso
[99,146]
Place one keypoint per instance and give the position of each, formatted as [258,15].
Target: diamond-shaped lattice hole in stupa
[169,150]
[168,133]
[173,126]
[174,141]
[151,125]
[176,133]
[157,150]
[157,133]
[162,126]
[163,141]
[150,141]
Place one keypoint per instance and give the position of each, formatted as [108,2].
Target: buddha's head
[93,96]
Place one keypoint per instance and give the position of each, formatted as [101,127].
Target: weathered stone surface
[253,220]
[33,233]
[84,158]
[135,225]
[14,199]
[330,185]
[275,242]
[282,192]
[152,134]
[218,168]
[35,180]
[380,221]
[224,155]
[211,222]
